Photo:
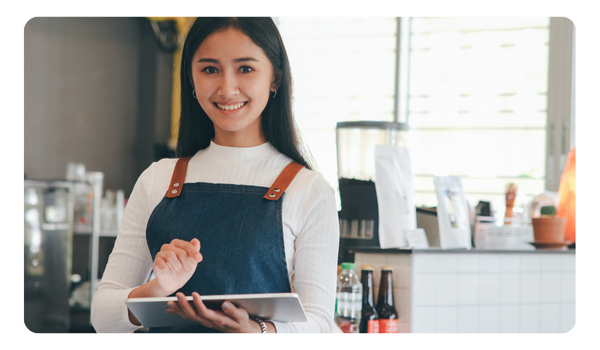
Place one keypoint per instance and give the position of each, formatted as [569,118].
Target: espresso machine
[48,249]
[358,217]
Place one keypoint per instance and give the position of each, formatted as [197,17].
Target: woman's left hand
[230,320]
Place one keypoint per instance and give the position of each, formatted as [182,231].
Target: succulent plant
[548,210]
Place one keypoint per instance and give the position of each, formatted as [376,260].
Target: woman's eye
[210,70]
[246,69]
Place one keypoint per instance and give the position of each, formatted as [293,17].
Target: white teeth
[231,107]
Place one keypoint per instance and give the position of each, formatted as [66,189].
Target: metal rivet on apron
[276,190]
[271,195]
[174,191]
[176,184]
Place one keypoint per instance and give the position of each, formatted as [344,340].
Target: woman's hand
[175,264]
[230,320]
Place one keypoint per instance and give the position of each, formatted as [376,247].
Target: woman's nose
[228,86]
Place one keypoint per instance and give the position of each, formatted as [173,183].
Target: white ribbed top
[310,229]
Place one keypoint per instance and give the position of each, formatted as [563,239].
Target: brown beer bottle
[388,316]
[369,321]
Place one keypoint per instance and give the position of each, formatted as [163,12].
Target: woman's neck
[239,139]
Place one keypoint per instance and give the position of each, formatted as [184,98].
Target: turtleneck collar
[240,154]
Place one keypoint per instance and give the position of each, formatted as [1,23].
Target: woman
[240,211]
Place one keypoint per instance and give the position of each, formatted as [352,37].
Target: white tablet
[283,307]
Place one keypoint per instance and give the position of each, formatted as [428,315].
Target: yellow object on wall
[175,98]
[183,26]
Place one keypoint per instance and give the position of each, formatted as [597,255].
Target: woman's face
[233,80]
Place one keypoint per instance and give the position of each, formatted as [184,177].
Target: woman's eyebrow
[237,60]
[209,60]
[245,59]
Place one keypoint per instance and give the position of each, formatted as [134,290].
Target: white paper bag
[416,239]
[395,195]
[452,213]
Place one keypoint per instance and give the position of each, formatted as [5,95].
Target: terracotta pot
[549,229]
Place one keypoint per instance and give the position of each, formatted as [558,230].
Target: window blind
[477,105]
[343,70]
[476,97]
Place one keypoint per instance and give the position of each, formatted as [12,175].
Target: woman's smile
[229,107]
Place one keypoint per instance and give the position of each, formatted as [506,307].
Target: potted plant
[548,228]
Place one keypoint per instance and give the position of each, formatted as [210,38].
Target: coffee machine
[47,250]
[358,217]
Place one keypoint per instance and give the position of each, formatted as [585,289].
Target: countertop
[457,251]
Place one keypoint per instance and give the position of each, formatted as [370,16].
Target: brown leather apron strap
[283,181]
[178,178]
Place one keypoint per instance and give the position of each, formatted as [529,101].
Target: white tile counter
[479,291]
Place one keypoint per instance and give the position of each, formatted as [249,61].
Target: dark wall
[97,91]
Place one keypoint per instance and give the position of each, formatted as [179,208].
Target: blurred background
[488,99]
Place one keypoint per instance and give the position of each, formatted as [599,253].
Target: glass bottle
[388,316]
[348,299]
[369,321]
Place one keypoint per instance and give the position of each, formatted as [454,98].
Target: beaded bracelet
[260,322]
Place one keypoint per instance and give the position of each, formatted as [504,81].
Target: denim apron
[240,232]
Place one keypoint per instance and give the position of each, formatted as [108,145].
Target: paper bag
[452,213]
[395,195]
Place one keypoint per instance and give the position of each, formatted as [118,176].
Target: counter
[478,291]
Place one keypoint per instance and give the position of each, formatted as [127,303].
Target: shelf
[101,233]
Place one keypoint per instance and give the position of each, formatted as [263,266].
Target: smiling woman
[196,129]
[241,211]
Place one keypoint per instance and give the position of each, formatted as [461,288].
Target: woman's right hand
[175,264]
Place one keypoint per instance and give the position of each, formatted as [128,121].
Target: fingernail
[226,306]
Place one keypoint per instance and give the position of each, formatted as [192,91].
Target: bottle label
[389,326]
[347,325]
[373,326]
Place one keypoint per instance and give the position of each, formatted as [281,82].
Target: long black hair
[278,125]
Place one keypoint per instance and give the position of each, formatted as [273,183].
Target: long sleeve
[129,264]
[315,256]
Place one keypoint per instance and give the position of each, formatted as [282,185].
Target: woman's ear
[192,82]
[276,80]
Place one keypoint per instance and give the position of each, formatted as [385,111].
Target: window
[476,93]
[477,104]
[343,70]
